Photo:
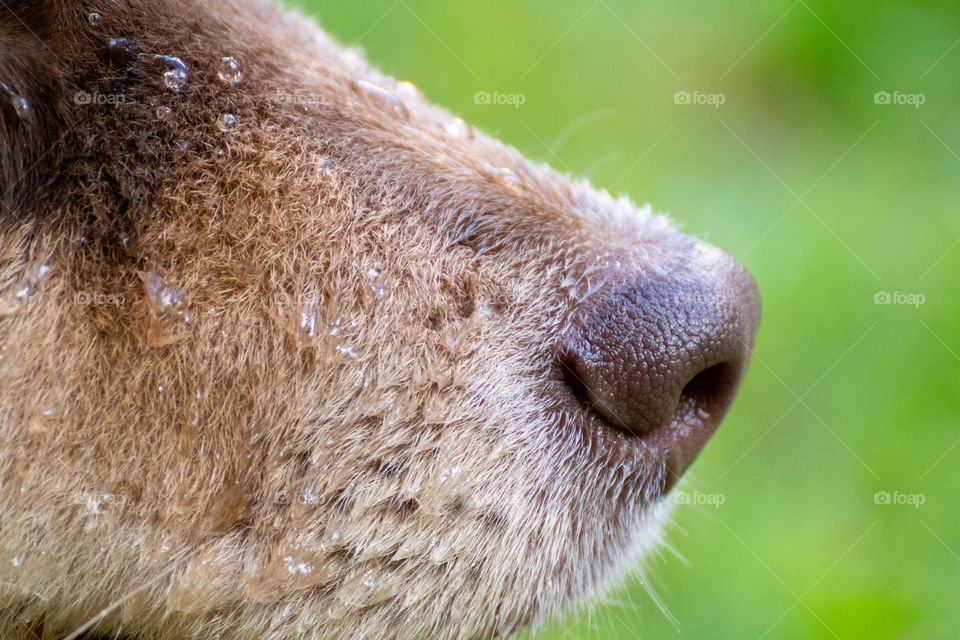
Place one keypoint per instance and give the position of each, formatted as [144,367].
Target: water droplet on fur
[332,540]
[382,96]
[336,611]
[457,128]
[298,564]
[182,147]
[336,326]
[408,92]
[161,296]
[309,313]
[176,76]
[413,490]
[123,46]
[32,280]
[363,591]
[17,561]
[325,167]
[309,497]
[48,409]
[377,287]
[370,580]
[227,122]
[94,19]
[164,113]
[347,350]
[96,503]
[168,311]
[230,70]
[161,388]
[21,106]
[503,176]
[443,488]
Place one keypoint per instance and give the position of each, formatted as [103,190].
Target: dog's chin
[637,538]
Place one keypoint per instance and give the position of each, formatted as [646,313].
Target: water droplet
[161,388]
[376,284]
[17,561]
[370,580]
[169,315]
[34,276]
[182,147]
[230,70]
[298,564]
[336,326]
[123,46]
[381,95]
[48,409]
[227,122]
[332,540]
[21,106]
[325,167]
[96,502]
[160,295]
[408,92]
[363,591]
[164,113]
[94,19]
[347,350]
[308,318]
[336,611]
[504,176]
[175,77]
[457,128]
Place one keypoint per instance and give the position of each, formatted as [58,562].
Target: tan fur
[296,381]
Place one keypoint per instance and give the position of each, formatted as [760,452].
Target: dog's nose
[666,351]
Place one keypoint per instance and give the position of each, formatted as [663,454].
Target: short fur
[295,379]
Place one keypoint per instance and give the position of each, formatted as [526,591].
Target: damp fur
[286,378]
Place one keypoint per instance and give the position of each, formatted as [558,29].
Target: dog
[288,352]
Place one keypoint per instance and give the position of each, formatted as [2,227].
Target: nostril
[709,392]
[571,377]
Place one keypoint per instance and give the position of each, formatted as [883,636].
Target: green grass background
[828,198]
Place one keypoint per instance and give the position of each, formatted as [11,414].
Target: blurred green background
[785,156]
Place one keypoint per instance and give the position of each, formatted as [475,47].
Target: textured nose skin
[668,349]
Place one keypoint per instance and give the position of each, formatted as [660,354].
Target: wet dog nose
[667,351]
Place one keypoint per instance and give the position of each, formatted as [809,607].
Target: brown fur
[320,401]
